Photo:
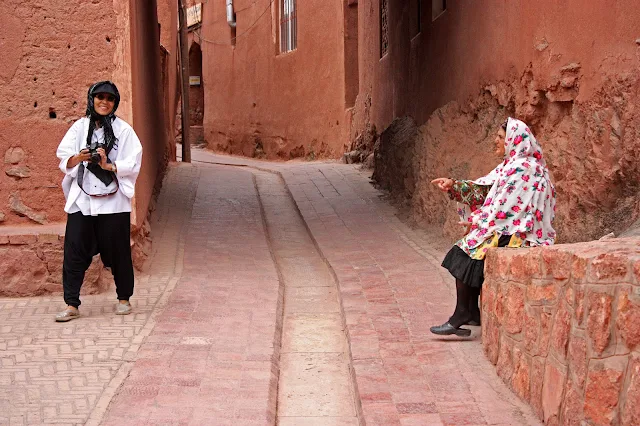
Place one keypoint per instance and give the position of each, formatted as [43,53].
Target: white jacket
[126,155]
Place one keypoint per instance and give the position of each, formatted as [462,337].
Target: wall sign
[194,15]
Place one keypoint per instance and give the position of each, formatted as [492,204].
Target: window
[288,26]
[384,27]
[437,8]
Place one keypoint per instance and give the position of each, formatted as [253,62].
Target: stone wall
[562,327]
[31,263]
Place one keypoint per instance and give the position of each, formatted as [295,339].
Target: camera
[93,151]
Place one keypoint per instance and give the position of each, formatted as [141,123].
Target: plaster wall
[260,102]
[50,58]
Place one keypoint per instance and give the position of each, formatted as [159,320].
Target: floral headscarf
[522,199]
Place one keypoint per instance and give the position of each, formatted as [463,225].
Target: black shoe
[447,329]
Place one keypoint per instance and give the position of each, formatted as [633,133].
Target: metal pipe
[183,43]
[231,17]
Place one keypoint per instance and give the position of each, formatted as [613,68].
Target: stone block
[14,155]
[491,264]
[488,299]
[531,330]
[628,319]
[578,362]
[534,262]
[560,335]
[630,411]
[537,383]
[555,376]
[504,366]
[21,209]
[541,292]
[579,304]
[514,309]
[569,297]
[22,239]
[503,265]
[491,337]
[572,414]
[546,322]
[599,320]
[579,267]
[602,393]
[500,305]
[521,382]
[609,268]
[49,238]
[556,263]
[519,268]
[19,172]
[4,239]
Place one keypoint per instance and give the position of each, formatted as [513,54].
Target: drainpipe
[231,17]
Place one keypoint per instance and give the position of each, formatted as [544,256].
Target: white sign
[194,15]
[194,80]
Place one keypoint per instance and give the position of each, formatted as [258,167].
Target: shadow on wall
[591,147]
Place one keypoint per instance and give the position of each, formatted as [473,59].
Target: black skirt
[469,271]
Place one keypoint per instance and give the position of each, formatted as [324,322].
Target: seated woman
[512,206]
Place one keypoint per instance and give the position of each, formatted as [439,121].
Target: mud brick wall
[31,265]
[562,327]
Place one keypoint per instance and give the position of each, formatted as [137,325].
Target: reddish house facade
[278,84]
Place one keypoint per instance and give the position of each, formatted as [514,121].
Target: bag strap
[80,180]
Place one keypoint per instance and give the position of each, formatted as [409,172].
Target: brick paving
[212,356]
[203,345]
[53,373]
[392,290]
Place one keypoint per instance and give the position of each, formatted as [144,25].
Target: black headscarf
[105,122]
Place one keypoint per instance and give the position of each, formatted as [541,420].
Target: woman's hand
[83,155]
[103,160]
[467,226]
[444,184]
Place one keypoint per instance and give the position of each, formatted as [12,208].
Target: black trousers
[86,236]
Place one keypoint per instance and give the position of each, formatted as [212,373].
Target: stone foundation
[562,327]
[31,263]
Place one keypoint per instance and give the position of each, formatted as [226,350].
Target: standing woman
[512,206]
[100,156]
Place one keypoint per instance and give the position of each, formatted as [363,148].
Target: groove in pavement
[315,386]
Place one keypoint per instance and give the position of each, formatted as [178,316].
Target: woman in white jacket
[100,156]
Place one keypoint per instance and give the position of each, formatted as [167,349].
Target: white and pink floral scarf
[522,199]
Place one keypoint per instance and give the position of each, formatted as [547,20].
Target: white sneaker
[67,315]
[123,308]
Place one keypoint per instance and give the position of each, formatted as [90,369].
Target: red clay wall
[287,105]
[168,20]
[48,62]
[561,326]
[569,71]
[52,54]
[148,102]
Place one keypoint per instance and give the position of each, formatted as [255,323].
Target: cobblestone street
[277,293]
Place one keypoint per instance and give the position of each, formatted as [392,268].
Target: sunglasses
[102,97]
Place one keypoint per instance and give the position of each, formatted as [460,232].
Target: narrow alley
[278,293]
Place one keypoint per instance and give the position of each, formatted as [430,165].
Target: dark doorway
[196,95]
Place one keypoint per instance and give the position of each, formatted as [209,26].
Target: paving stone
[390,279]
